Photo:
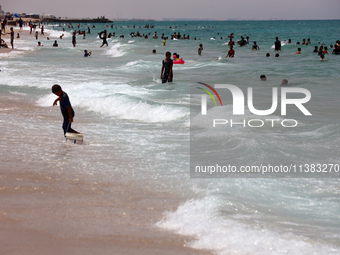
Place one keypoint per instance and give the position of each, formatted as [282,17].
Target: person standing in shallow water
[12,37]
[200,49]
[255,46]
[104,36]
[277,44]
[167,68]
[74,41]
[231,52]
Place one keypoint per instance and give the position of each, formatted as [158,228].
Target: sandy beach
[25,33]
[128,189]
[46,213]
[43,213]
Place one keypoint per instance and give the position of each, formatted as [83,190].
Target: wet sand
[6,50]
[55,211]
[51,211]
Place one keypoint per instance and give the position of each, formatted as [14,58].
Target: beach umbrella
[16,15]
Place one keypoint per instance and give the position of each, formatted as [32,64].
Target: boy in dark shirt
[277,44]
[74,40]
[167,68]
[65,107]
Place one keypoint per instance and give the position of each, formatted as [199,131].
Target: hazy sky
[196,9]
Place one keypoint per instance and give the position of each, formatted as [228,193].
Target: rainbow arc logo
[209,93]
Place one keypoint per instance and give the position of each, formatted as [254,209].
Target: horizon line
[194,19]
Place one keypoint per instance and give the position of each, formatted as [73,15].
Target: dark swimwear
[64,103]
[167,67]
[277,45]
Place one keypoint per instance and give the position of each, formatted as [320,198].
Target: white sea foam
[140,65]
[202,220]
[123,102]
[54,34]
[134,63]
[11,54]
[124,108]
[116,50]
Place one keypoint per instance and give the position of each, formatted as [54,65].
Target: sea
[138,130]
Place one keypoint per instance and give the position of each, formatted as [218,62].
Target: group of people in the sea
[243,41]
[322,49]
[167,63]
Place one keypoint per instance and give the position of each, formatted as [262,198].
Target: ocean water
[136,128]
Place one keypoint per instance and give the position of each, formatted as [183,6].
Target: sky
[179,9]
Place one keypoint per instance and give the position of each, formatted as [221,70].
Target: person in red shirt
[325,51]
[231,52]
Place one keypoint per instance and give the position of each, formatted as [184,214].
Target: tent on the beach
[16,15]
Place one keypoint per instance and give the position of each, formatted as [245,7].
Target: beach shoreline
[59,212]
[24,35]
[127,188]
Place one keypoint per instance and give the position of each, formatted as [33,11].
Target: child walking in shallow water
[65,107]
[167,68]
[200,49]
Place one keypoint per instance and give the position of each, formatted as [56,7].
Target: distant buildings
[1,11]
[30,15]
[9,16]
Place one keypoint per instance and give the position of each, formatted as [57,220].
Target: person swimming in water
[322,56]
[231,42]
[87,54]
[255,46]
[284,82]
[176,57]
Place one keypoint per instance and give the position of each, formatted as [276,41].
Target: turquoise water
[136,128]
